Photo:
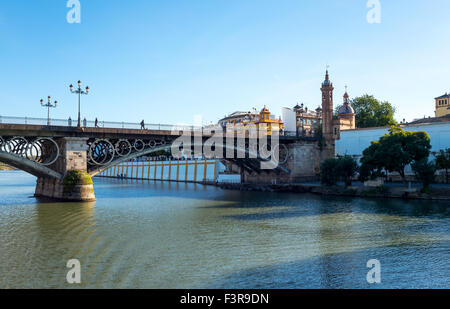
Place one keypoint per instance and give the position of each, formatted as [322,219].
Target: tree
[371,163]
[425,172]
[329,172]
[394,151]
[347,167]
[443,162]
[335,169]
[371,112]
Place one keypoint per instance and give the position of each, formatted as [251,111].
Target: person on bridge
[96,122]
[142,125]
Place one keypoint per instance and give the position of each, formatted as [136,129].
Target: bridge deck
[90,132]
[66,131]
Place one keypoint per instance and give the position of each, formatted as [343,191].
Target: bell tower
[327,114]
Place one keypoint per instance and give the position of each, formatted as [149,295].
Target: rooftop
[445,118]
[445,96]
[237,114]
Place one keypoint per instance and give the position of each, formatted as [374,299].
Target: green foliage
[351,192]
[335,169]
[347,168]
[425,190]
[425,172]
[74,178]
[380,190]
[370,112]
[369,171]
[328,172]
[443,161]
[394,151]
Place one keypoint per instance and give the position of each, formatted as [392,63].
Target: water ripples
[155,235]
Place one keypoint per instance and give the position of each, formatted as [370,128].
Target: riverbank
[441,193]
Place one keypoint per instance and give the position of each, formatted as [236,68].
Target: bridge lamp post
[48,105]
[79,92]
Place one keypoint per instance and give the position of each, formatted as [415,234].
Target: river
[145,234]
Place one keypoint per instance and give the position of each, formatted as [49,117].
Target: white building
[289,118]
[353,142]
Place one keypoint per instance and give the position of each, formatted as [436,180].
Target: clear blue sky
[166,61]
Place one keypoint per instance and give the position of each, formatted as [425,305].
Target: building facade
[307,120]
[237,118]
[303,155]
[263,118]
[346,118]
[442,105]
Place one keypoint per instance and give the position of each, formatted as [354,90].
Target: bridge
[64,158]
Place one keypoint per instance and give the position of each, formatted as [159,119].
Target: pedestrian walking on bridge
[142,125]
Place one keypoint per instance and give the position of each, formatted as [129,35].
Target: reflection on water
[168,235]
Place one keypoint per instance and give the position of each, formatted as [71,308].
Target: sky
[168,61]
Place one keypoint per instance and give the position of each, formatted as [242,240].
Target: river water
[167,235]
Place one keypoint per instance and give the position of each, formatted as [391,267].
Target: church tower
[327,114]
[346,115]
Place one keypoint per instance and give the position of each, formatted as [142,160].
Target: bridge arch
[28,166]
[34,155]
[249,154]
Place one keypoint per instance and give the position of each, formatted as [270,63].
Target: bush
[425,172]
[74,178]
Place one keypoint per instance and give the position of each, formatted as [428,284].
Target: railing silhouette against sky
[107,124]
[87,123]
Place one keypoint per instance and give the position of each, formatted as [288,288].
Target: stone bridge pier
[75,184]
[302,160]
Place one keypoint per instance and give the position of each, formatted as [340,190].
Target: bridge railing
[89,123]
[104,124]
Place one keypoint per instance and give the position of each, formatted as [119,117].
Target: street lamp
[79,92]
[48,105]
